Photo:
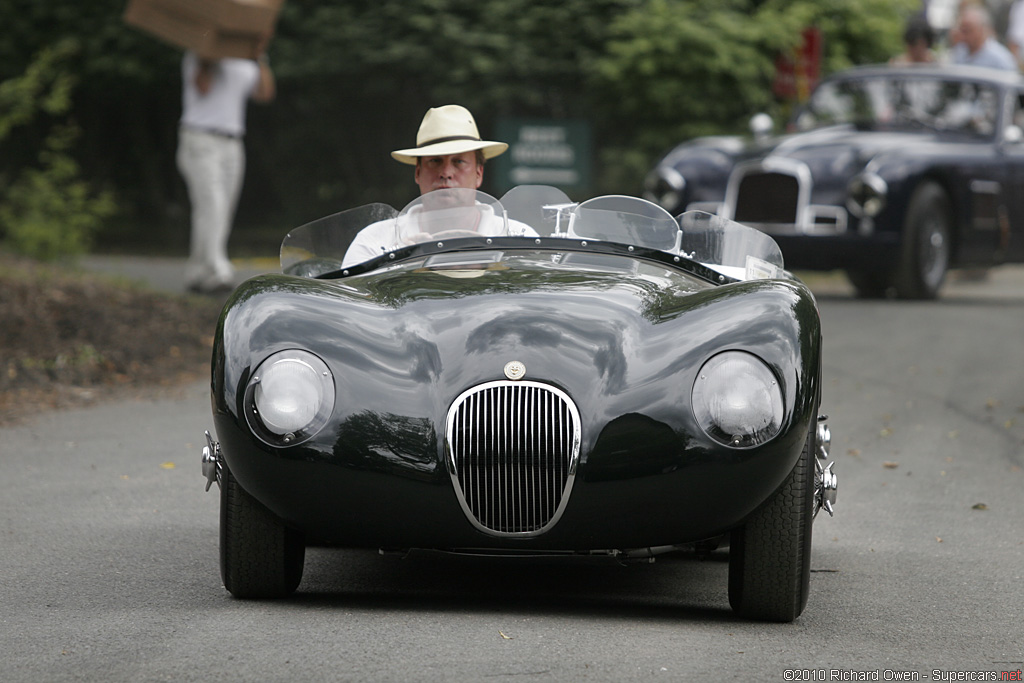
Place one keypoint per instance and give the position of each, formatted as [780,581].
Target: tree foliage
[675,70]
[48,211]
[354,79]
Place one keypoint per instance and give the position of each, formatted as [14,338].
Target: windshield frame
[612,224]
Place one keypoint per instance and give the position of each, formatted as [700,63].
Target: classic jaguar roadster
[893,174]
[527,376]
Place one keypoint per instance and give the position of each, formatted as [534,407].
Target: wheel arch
[904,185]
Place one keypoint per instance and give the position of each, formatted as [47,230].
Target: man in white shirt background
[978,45]
[211,156]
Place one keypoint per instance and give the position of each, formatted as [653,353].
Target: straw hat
[448,130]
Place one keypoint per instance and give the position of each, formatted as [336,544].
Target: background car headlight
[866,195]
[665,186]
[737,400]
[289,398]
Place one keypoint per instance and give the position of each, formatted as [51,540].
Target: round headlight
[866,195]
[666,187]
[737,400]
[289,398]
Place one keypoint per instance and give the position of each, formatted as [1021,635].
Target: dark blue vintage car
[523,377]
[894,175]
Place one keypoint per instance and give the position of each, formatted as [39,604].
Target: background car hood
[839,151]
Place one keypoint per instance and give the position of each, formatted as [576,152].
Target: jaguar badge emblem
[515,370]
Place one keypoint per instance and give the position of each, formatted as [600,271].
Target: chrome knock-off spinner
[211,461]
[825,482]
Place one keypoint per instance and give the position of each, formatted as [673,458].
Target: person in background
[1015,32]
[211,155]
[978,46]
[953,37]
[918,40]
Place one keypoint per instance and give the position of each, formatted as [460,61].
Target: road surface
[108,547]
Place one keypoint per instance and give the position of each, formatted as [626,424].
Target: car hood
[839,151]
[404,342]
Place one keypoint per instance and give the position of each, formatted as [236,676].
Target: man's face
[973,32]
[451,170]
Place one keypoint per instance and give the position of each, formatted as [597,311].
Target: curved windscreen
[543,208]
[450,214]
[899,100]
[359,235]
[729,247]
[626,220]
[320,246]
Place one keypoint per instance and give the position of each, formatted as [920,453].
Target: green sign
[544,152]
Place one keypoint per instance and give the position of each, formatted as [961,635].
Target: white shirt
[222,109]
[381,237]
[992,55]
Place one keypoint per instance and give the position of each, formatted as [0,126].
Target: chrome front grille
[767,198]
[512,452]
[774,195]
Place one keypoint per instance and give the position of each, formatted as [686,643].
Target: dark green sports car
[529,376]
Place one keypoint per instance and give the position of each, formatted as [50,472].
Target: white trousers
[213,167]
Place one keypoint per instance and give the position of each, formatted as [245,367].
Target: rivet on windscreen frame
[583,243]
[721,278]
[344,272]
[440,244]
[676,259]
[630,248]
[489,240]
[537,241]
[391,255]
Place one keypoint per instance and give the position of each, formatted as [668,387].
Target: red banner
[797,72]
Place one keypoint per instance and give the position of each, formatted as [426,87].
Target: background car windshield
[901,102]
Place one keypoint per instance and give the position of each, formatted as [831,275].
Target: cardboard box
[212,28]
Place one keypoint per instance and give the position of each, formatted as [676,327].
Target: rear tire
[927,244]
[770,555]
[260,557]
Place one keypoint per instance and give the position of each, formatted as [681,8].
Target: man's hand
[266,88]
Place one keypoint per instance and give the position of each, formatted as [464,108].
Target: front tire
[770,555]
[260,557]
[927,243]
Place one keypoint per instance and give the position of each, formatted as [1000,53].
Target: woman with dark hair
[918,39]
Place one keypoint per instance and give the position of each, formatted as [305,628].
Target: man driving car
[449,154]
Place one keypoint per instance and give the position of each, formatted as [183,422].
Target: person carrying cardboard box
[211,155]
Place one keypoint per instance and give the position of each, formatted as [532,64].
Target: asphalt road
[109,569]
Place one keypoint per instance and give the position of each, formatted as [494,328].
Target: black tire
[260,557]
[927,244]
[869,285]
[770,555]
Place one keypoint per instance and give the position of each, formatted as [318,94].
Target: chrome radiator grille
[512,454]
[767,198]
